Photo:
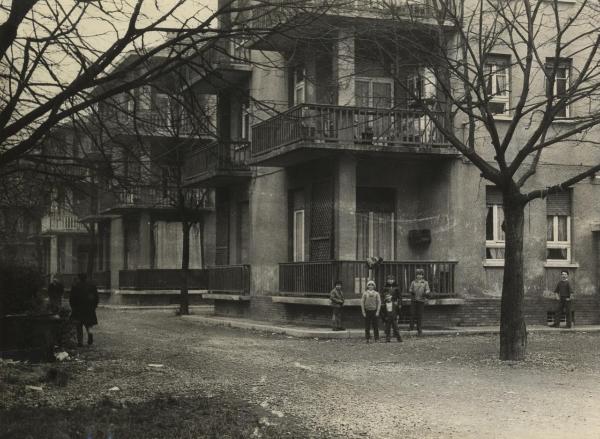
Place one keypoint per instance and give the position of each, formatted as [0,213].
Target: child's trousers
[371,320]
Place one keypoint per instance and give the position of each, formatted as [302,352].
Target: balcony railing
[284,10]
[151,197]
[318,278]
[345,124]
[61,221]
[162,279]
[229,279]
[225,156]
[99,278]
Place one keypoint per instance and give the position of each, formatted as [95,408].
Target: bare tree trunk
[184,300]
[513,333]
[93,249]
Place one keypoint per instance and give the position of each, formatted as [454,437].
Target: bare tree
[502,74]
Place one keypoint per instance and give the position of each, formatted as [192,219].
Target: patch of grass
[163,417]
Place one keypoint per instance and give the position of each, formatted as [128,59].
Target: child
[419,290]
[390,308]
[336,296]
[370,305]
[563,293]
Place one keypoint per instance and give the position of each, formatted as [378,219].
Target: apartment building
[323,159]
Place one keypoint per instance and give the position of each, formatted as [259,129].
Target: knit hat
[371,282]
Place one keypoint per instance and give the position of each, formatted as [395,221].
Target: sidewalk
[205,317]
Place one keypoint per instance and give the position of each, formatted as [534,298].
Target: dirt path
[436,387]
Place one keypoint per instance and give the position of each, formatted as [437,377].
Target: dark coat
[390,293]
[83,301]
[55,294]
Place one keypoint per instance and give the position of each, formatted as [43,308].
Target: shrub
[19,288]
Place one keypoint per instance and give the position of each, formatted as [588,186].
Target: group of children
[387,304]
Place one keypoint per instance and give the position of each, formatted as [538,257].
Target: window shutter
[493,196]
[559,203]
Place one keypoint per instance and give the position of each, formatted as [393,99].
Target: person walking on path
[55,294]
[83,301]
[419,290]
[336,296]
[564,294]
[370,305]
[390,308]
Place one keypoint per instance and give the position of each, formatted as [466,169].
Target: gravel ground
[433,387]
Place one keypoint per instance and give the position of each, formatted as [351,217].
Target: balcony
[218,164]
[280,24]
[61,222]
[149,197]
[309,131]
[318,278]
[222,66]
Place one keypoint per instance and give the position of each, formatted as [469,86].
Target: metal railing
[61,221]
[148,196]
[226,156]
[99,278]
[346,124]
[229,279]
[162,279]
[318,278]
[284,10]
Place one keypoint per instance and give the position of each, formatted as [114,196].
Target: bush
[19,288]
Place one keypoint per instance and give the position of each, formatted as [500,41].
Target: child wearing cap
[390,308]
[370,305]
[419,290]
[336,297]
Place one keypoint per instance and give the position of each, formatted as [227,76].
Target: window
[497,77]
[562,78]
[245,122]
[422,85]
[163,107]
[494,233]
[298,235]
[558,230]
[145,97]
[374,92]
[299,85]
[375,223]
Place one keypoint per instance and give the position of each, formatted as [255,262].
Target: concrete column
[268,231]
[344,67]
[69,257]
[116,251]
[53,265]
[145,258]
[210,242]
[345,209]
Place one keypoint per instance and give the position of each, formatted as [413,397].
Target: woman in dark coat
[84,300]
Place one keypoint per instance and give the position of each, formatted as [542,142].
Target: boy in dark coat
[55,294]
[419,292]
[83,301]
[563,293]
[390,308]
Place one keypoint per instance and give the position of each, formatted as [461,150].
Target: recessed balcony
[155,198]
[310,131]
[61,221]
[284,22]
[217,164]
[224,65]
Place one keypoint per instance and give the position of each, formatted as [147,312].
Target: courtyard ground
[177,379]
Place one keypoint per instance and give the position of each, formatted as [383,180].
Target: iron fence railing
[318,278]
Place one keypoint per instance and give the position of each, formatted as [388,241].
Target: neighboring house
[340,166]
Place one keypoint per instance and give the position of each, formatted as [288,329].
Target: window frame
[299,85]
[491,81]
[555,243]
[567,65]
[371,81]
[298,242]
[494,243]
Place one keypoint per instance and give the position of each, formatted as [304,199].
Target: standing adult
[84,300]
[563,292]
[55,294]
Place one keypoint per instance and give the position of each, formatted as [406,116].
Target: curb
[152,307]
[322,333]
